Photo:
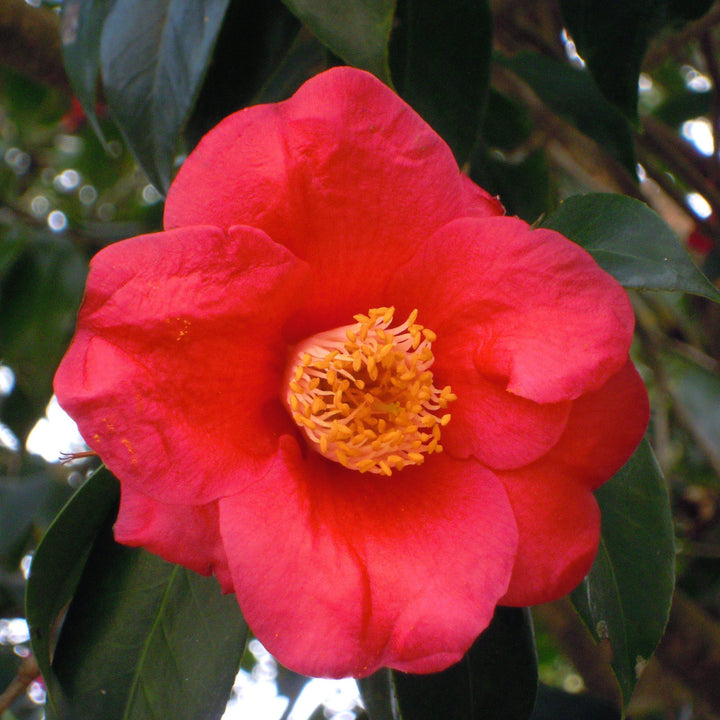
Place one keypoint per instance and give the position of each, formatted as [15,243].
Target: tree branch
[27,672]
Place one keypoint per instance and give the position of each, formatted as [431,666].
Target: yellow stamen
[363,394]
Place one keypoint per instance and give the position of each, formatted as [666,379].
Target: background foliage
[632,122]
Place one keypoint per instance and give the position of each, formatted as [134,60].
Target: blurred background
[545,132]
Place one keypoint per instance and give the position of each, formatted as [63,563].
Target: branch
[30,44]
[671,44]
[573,151]
[27,672]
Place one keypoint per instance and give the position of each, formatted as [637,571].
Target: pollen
[363,394]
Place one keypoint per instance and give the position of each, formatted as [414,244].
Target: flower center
[363,394]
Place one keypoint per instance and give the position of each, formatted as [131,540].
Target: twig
[27,672]
[659,140]
[661,49]
[579,155]
[672,190]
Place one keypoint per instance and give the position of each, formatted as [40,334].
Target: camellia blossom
[349,386]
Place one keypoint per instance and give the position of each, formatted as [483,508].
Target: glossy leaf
[496,679]
[506,123]
[626,597]
[154,55]
[81,26]
[358,31]
[631,242]
[572,93]
[440,56]
[146,639]
[58,564]
[612,38]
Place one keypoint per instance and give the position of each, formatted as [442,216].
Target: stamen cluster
[364,395]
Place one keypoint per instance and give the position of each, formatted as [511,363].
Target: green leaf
[358,31]
[154,55]
[39,294]
[572,93]
[696,395]
[256,38]
[631,242]
[11,245]
[81,23]
[626,597]
[144,638]
[58,563]
[431,43]
[496,679]
[612,38]
[378,695]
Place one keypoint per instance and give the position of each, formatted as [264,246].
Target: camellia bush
[370,314]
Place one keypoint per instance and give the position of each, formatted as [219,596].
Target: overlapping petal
[188,535]
[557,516]
[366,571]
[344,174]
[604,428]
[559,529]
[174,372]
[540,313]
[500,429]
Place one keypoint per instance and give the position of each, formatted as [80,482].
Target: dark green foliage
[626,597]
[612,36]
[631,242]
[496,679]
[440,58]
[572,93]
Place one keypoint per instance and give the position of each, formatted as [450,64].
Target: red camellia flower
[346,384]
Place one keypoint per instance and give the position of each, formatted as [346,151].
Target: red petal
[480,203]
[604,428]
[500,429]
[344,174]
[182,534]
[557,516]
[534,308]
[174,372]
[559,528]
[340,573]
